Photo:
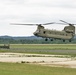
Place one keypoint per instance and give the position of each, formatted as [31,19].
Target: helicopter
[67,33]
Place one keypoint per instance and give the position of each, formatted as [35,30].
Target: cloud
[35,11]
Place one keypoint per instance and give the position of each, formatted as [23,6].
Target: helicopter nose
[35,33]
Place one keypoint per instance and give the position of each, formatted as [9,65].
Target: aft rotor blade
[64,22]
[67,23]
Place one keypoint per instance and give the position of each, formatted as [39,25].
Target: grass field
[46,46]
[42,48]
[30,69]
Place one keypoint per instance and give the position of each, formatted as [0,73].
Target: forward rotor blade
[31,24]
[61,23]
[21,24]
[48,23]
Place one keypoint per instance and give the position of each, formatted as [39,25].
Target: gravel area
[42,59]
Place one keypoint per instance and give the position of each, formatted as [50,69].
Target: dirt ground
[42,59]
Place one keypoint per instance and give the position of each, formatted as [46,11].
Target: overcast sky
[34,11]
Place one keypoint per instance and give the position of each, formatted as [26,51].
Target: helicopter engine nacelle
[70,29]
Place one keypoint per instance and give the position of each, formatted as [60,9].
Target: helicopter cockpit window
[37,31]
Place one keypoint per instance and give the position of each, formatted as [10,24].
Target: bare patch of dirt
[42,59]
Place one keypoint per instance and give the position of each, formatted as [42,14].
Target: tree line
[34,41]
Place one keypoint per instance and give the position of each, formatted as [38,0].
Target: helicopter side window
[61,34]
[66,34]
[44,32]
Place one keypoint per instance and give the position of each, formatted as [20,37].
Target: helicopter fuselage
[66,34]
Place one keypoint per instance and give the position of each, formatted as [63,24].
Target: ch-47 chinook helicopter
[67,33]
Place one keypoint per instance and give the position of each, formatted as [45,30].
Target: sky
[34,11]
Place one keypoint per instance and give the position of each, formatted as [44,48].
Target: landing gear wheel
[63,40]
[70,40]
[46,39]
[51,39]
